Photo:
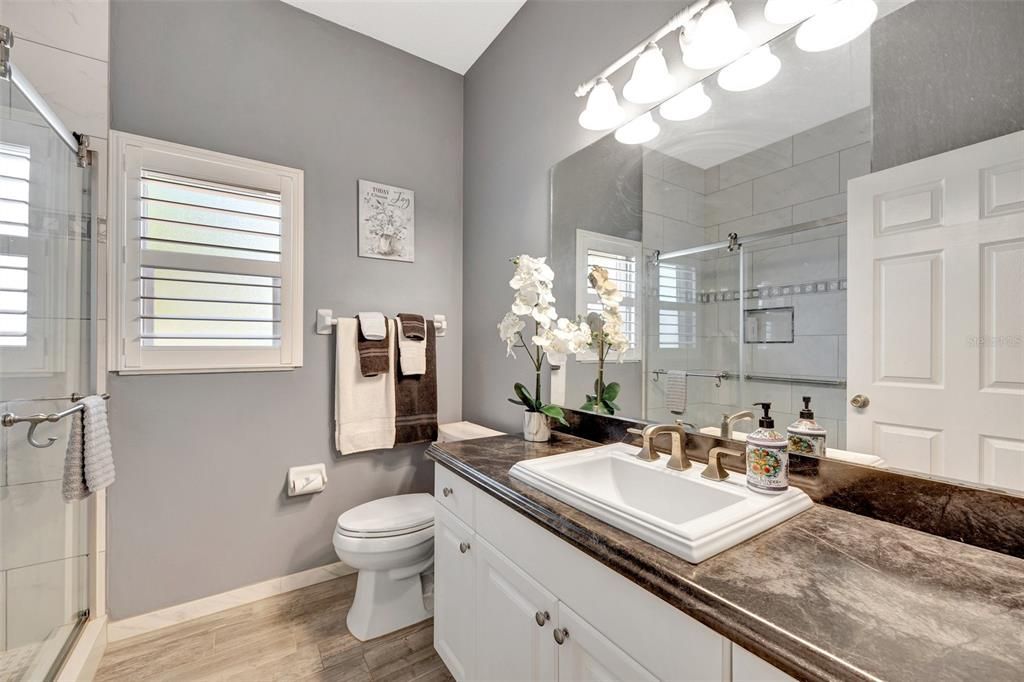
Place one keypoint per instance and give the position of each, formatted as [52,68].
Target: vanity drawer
[454,493]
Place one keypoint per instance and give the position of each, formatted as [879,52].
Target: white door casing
[936,313]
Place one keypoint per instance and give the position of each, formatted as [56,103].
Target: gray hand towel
[99,457]
[73,486]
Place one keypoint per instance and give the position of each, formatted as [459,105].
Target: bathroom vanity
[529,588]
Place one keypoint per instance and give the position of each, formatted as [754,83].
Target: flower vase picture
[387,222]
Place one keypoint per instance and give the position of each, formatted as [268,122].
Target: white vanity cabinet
[513,601]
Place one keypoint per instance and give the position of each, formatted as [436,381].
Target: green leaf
[556,413]
[615,405]
[611,391]
[589,405]
[515,402]
[608,406]
[528,401]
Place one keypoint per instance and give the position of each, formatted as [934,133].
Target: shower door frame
[80,653]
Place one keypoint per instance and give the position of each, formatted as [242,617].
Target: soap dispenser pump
[806,436]
[767,459]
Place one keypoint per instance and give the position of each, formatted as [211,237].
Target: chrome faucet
[678,459]
[728,420]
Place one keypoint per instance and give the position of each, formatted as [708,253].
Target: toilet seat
[388,517]
[381,544]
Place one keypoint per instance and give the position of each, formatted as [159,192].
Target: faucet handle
[714,471]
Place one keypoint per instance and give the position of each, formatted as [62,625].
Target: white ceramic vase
[535,427]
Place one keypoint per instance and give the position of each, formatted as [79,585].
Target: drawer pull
[542,617]
[463,547]
[447,492]
[561,634]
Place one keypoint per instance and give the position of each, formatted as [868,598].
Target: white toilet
[390,542]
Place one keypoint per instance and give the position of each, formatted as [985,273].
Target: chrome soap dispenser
[806,436]
[767,459]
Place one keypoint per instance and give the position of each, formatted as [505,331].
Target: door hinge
[6,41]
[84,159]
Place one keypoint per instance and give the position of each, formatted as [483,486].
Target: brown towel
[416,399]
[413,326]
[374,355]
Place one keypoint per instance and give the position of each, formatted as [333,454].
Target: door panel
[585,654]
[454,594]
[512,642]
[935,322]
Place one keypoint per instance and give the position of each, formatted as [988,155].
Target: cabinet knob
[860,401]
[542,617]
[561,634]
[463,547]
[446,492]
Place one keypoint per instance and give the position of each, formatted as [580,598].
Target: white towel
[364,407]
[99,456]
[412,353]
[372,325]
[675,391]
[73,486]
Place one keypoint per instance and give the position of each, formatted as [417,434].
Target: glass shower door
[45,356]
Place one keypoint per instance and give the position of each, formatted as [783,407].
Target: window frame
[130,154]
[587,240]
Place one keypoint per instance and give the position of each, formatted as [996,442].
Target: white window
[623,259]
[677,306]
[15,164]
[209,276]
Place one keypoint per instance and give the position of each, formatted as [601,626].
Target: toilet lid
[394,515]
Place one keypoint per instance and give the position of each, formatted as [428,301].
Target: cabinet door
[746,667]
[514,621]
[454,594]
[586,654]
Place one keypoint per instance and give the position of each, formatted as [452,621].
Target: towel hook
[32,430]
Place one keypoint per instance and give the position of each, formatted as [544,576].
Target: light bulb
[836,25]
[785,12]
[603,111]
[715,39]
[640,129]
[689,104]
[750,71]
[650,81]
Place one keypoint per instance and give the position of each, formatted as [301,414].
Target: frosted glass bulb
[603,111]
[836,25]
[750,71]
[715,39]
[689,104]
[640,129]
[651,81]
[786,12]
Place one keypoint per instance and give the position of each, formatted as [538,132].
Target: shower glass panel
[45,356]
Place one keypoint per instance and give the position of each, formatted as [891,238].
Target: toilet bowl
[390,542]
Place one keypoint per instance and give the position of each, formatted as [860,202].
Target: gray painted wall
[520,120]
[946,75]
[199,506]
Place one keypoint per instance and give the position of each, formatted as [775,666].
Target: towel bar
[10,419]
[325,320]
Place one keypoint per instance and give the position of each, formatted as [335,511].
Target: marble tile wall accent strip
[976,516]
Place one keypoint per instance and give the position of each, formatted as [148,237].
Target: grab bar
[10,419]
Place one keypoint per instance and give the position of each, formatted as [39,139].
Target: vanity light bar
[675,23]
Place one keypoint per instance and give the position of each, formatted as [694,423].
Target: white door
[584,654]
[454,594]
[514,621]
[936,318]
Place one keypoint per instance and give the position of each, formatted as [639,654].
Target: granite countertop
[826,595]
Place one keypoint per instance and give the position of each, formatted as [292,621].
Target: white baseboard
[172,615]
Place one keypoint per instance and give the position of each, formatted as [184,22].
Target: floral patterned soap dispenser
[767,459]
[806,437]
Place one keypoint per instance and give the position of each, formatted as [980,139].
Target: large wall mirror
[851,231]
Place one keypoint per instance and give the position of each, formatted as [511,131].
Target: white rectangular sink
[678,511]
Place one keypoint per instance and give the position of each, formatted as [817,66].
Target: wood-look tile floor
[299,635]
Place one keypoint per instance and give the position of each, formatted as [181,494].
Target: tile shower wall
[795,180]
[61,46]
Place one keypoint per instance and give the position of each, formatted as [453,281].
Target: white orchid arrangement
[553,338]
[606,335]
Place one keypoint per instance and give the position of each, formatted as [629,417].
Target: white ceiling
[450,33]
